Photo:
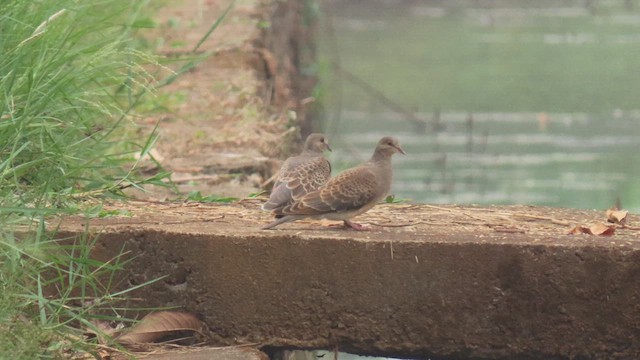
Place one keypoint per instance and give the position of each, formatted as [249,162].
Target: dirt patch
[224,122]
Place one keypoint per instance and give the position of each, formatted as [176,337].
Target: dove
[301,174]
[349,194]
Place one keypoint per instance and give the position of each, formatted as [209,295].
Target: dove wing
[350,190]
[298,177]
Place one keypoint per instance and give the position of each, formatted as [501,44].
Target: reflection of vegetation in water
[552,94]
[484,60]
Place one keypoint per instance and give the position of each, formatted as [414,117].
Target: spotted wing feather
[348,191]
[298,176]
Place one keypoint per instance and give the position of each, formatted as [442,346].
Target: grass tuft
[70,77]
[69,80]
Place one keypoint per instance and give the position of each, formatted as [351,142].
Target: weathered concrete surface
[443,282]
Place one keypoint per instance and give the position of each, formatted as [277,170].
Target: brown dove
[351,193]
[301,174]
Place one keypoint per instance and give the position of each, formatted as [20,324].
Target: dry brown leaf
[595,229]
[104,354]
[617,216]
[159,324]
[602,229]
[579,229]
[103,329]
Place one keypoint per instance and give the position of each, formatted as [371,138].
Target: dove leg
[279,221]
[355,226]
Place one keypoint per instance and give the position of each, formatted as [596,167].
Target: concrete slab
[444,282]
[207,353]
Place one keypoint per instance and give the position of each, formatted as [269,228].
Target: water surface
[512,104]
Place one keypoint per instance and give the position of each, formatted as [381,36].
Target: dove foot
[355,226]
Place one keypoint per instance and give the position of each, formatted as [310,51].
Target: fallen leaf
[104,354]
[602,229]
[102,330]
[617,216]
[159,324]
[595,229]
[579,229]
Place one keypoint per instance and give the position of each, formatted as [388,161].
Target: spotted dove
[351,193]
[301,174]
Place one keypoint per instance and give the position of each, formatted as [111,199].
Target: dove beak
[400,149]
[328,147]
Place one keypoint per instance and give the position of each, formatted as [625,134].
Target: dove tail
[282,220]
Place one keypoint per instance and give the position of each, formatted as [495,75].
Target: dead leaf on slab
[579,229]
[595,229]
[617,216]
[602,229]
[159,324]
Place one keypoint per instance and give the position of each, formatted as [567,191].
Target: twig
[545,218]
[636,228]
[408,207]
[397,225]
[441,208]
[163,223]
[118,186]
[456,211]
[199,177]
[481,218]
[503,229]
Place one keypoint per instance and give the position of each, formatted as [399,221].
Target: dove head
[316,143]
[387,146]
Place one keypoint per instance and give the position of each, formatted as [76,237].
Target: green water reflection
[517,104]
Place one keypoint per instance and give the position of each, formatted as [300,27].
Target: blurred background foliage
[496,102]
